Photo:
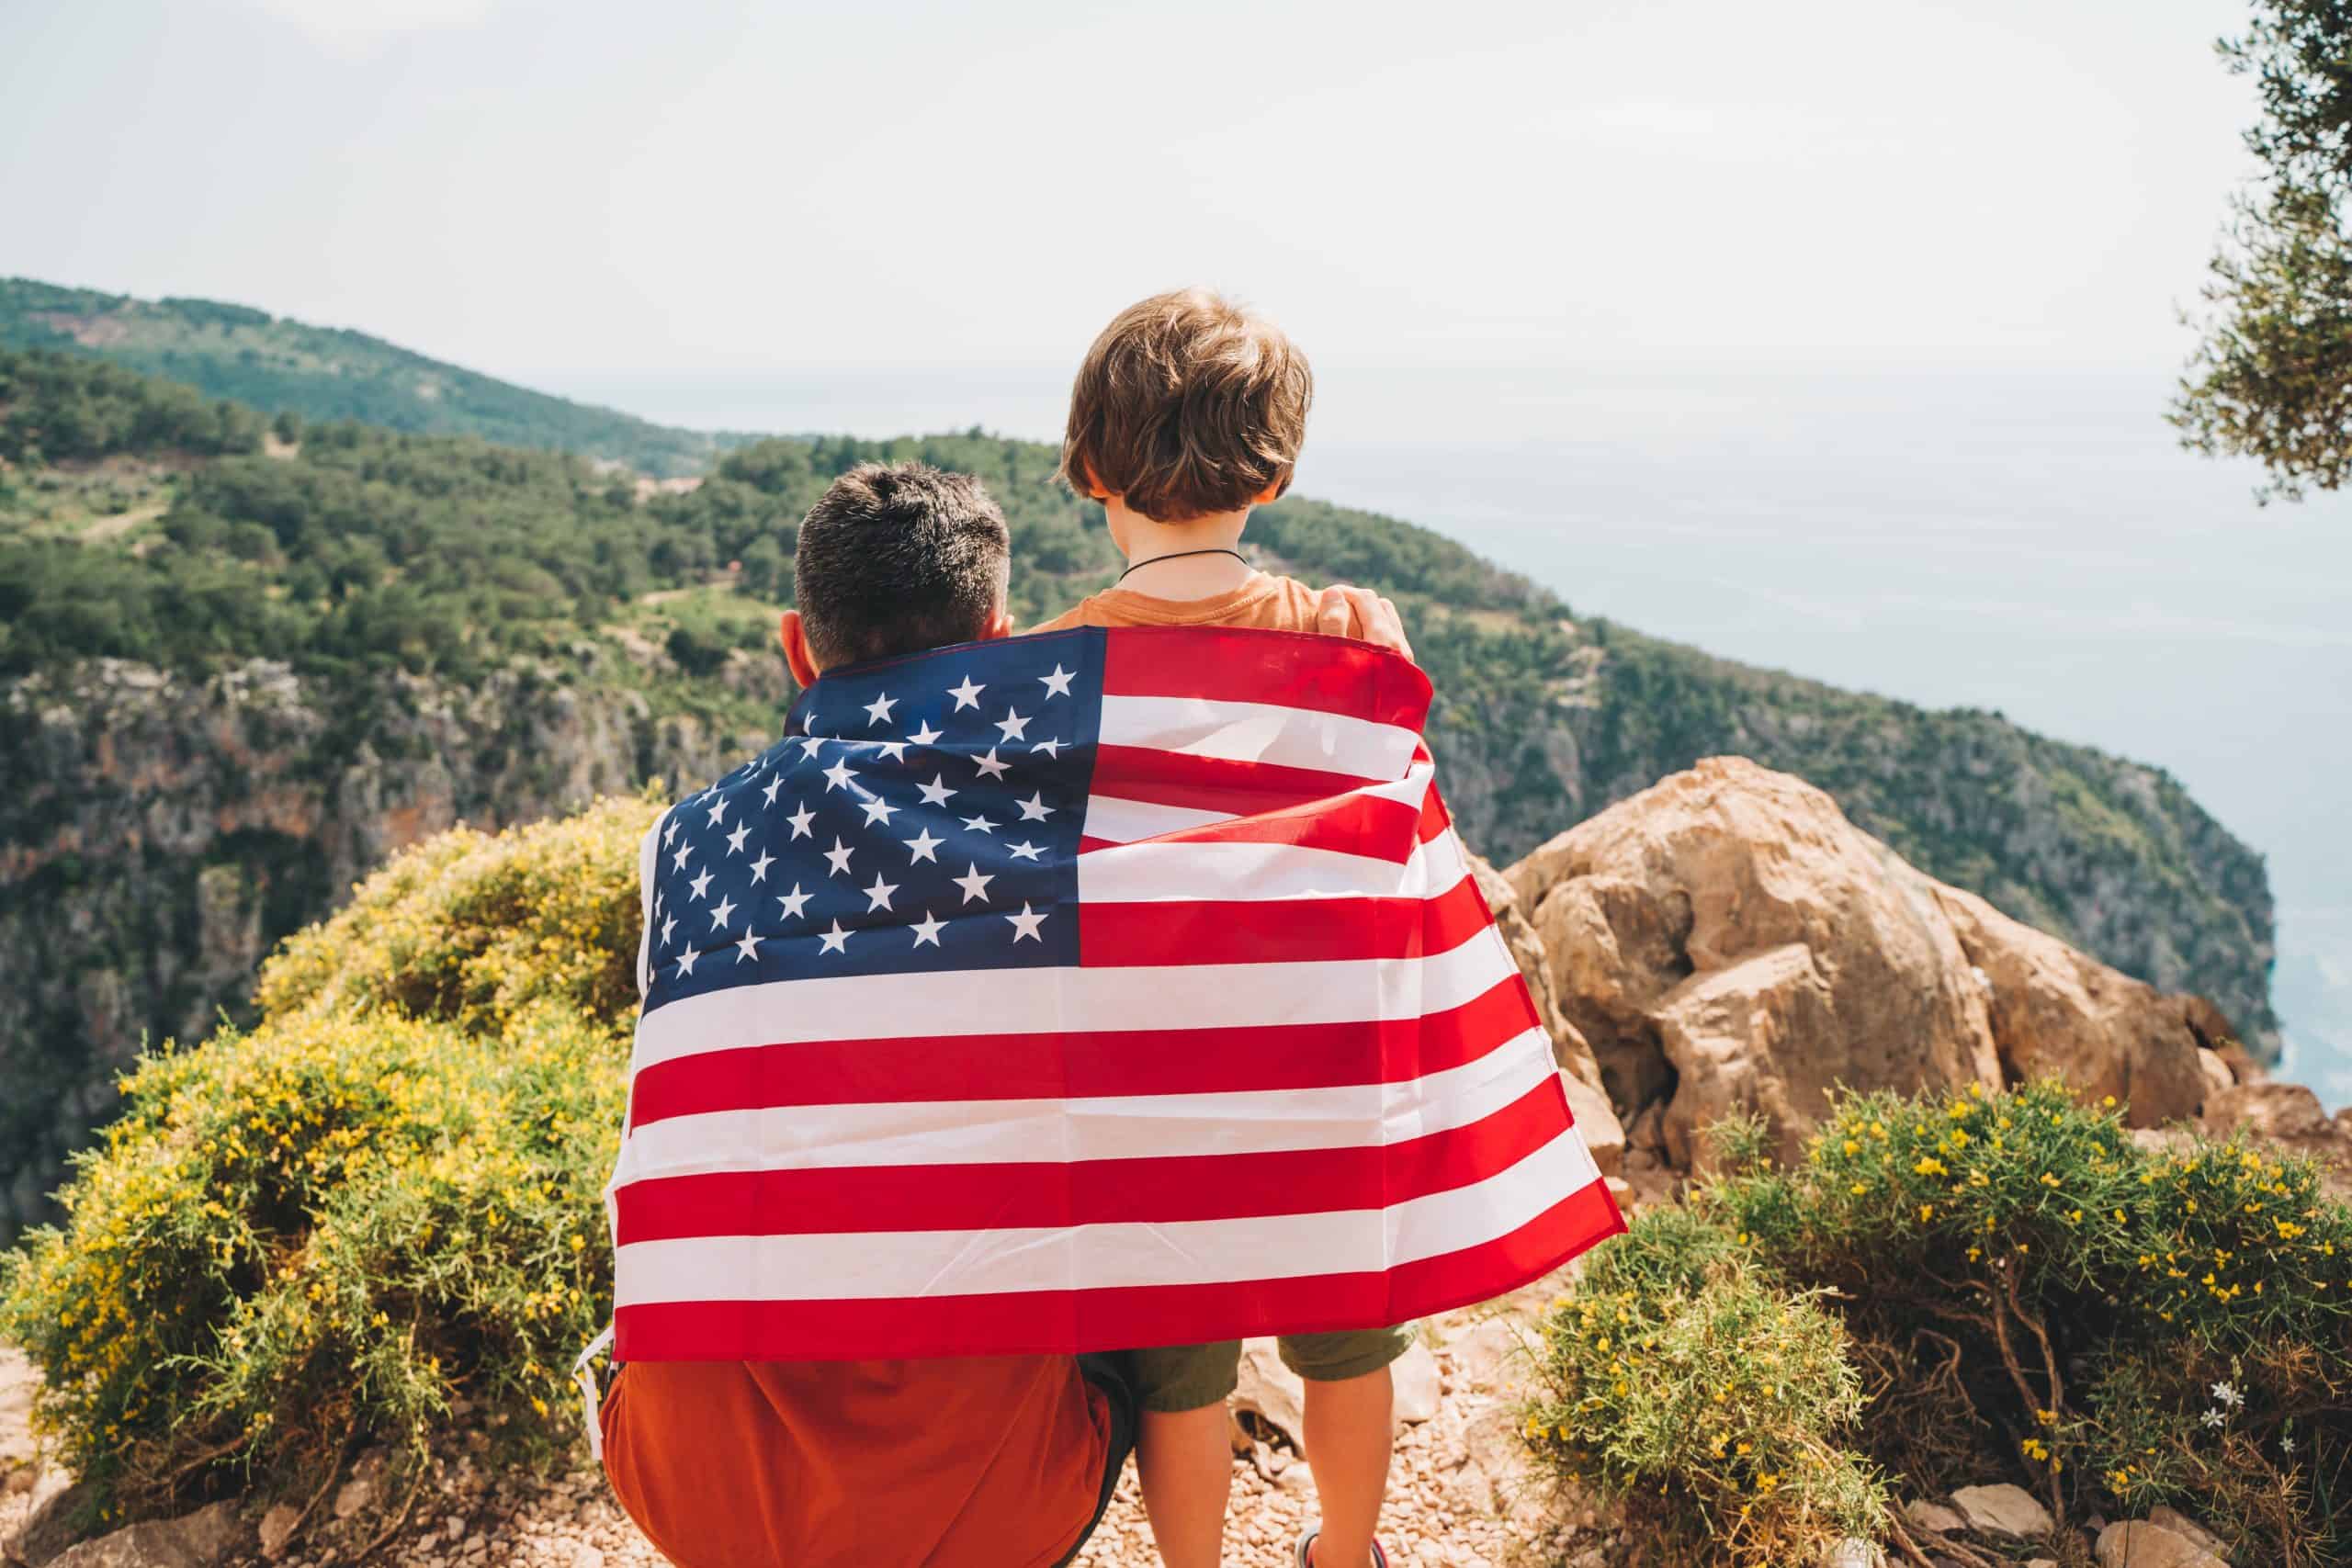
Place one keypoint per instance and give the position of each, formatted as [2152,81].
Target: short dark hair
[1186,405]
[896,558]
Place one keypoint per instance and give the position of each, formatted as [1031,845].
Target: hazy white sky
[577,187]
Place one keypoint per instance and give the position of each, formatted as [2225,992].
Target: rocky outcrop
[1579,1074]
[2054,1011]
[158,836]
[1728,942]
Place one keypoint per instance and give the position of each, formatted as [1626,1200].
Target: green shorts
[1186,1377]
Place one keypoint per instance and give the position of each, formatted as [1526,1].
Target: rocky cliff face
[159,835]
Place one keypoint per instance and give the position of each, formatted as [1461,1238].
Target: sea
[2031,542]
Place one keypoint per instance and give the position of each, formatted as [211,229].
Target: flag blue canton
[919,814]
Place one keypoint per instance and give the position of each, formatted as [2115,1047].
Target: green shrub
[474,927]
[2031,1293]
[329,1227]
[1681,1382]
[383,1199]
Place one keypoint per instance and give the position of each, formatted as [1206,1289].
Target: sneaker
[1306,1551]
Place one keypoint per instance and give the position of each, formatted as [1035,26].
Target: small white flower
[2286,1445]
[2228,1395]
[2215,1418]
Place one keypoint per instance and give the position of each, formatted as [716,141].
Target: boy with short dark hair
[972,1462]
[1188,411]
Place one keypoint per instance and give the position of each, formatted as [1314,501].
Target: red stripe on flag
[1354,824]
[1228,664]
[1278,930]
[1082,1064]
[1214,783]
[1044,1194]
[1061,1321]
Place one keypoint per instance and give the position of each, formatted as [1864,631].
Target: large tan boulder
[1579,1074]
[1727,940]
[2055,1012]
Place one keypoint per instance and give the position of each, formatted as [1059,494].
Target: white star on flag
[838,776]
[967,696]
[760,867]
[879,709]
[1050,747]
[974,884]
[924,735]
[922,844]
[702,884]
[836,940]
[718,809]
[667,927]
[719,913]
[1025,924]
[808,744]
[747,948]
[936,792]
[878,895]
[878,810]
[839,856]
[679,860]
[1035,808]
[979,824]
[800,821]
[1012,727]
[687,962]
[792,901]
[767,796]
[735,839]
[927,930]
[990,765]
[893,749]
[1024,850]
[1058,683]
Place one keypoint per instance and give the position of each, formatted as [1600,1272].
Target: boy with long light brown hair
[1188,412]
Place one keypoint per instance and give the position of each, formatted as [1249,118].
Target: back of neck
[1164,562]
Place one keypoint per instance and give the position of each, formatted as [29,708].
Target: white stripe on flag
[1150,1126]
[1057,1000]
[914,1264]
[1163,871]
[1261,732]
[1121,821]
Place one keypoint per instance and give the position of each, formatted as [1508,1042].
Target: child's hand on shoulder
[1343,610]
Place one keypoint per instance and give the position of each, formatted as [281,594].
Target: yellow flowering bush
[1678,1380]
[380,1201]
[473,927]
[2029,1291]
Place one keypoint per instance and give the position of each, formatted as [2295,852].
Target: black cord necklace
[1180,555]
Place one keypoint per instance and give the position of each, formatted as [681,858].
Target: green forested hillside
[324,373]
[235,670]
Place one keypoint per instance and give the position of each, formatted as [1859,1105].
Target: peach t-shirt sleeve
[1268,603]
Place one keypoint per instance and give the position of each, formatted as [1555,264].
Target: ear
[795,638]
[999,628]
[1272,493]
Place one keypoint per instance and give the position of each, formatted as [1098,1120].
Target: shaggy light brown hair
[1187,405]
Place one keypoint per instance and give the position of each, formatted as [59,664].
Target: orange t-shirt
[1271,603]
[982,1462]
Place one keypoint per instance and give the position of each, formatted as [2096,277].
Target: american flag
[1081,991]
